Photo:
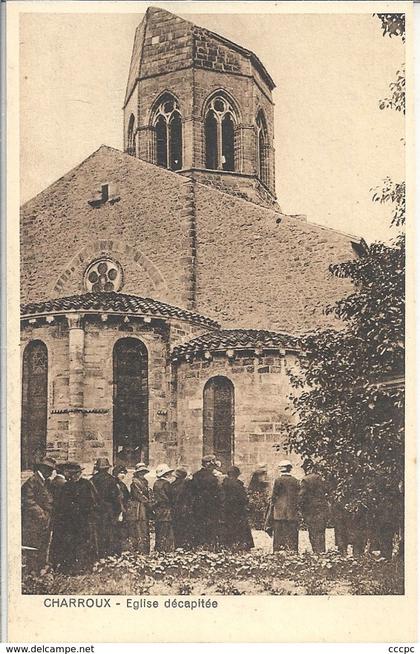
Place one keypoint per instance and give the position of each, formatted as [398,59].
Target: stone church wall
[262,408]
[269,275]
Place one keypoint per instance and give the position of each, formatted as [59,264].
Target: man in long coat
[284,505]
[74,541]
[36,505]
[237,532]
[207,505]
[110,507]
[314,506]
[181,490]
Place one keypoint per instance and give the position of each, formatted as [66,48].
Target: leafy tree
[350,393]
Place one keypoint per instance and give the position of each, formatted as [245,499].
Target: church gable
[115,207]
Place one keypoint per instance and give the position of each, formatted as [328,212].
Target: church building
[163,289]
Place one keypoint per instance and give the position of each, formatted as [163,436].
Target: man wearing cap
[163,503]
[74,543]
[207,505]
[110,507]
[284,503]
[314,506]
[237,532]
[36,505]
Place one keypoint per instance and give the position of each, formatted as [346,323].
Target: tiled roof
[113,303]
[236,339]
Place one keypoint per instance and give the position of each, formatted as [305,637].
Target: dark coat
[138,515]
[181,490]
[74,542]
[313,500]
[237,533]
[207,507]
[163,515]
[110,505]
[36,505]
[285,498]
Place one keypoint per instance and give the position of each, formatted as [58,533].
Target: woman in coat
[138,511]
[163,502]
[182,509]
[237,533]
[121,527]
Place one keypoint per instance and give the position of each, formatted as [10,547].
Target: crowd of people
[70,521]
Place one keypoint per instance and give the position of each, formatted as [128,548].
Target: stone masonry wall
[262,408]
[144,229]
[255,272]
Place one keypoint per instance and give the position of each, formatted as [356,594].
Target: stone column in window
[76,385]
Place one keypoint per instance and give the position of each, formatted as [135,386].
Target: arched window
[219,127]
[262,148]
[131,402]
[219,419]
[168,131]
[34,403]
[131,147]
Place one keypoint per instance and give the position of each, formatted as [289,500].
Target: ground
[258,572]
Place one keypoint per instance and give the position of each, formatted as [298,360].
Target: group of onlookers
[69,521]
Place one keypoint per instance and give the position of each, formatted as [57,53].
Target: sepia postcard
[209,251]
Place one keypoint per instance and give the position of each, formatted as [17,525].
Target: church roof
[117,303]
[236,339]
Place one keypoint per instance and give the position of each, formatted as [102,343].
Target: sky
[333,144]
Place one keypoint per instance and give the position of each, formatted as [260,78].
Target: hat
[181,473]
[71,466]
[141,467]
[285,463]
[46,461]
[261,467]
[119,469]
[102,463]
[234,470]
[209,458]
[163,469]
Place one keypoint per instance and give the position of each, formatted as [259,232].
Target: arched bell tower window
[219,127]
[167,124]
[131,148]
[262,148]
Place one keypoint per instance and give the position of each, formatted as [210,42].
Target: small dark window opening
[175,128]
[228,143]
[211,141]
[130,137]
[161,142]
[262,149]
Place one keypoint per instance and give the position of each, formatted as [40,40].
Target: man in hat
[139,510]
[163,503]
[237,532]
[207,505]
[74,542]
[36,505]
[181,489]
[314,506]
[110,507]
[284,503]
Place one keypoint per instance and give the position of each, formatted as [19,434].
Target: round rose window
[103,275]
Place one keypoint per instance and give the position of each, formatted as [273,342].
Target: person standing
[350,528]
[314,506]
[163,503]
[181,489]
[121,528]
[207,505]
[284,505]
[110,507]
[36,506]
[258,495]
[139,507]
[74,541]
[237,532]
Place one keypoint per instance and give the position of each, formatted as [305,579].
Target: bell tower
[201,105]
